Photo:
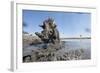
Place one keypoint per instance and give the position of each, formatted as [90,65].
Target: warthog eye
[50,31]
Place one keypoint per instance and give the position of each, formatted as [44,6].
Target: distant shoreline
[66,37]
[76,38]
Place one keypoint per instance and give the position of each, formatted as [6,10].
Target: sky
[69,24]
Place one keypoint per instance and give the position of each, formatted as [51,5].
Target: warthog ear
[42,26]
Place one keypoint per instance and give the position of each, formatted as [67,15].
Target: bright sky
[69,24]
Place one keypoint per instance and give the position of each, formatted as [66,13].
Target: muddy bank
[52,54]
[34,50]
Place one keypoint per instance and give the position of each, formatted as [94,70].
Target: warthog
[50,34]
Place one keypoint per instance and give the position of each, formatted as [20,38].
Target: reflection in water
[78,43]
[68,44]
